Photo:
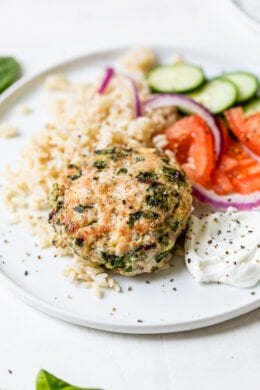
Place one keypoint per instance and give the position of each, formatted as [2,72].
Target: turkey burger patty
[123,209]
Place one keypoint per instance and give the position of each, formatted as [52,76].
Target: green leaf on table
[9,72]
[47,381]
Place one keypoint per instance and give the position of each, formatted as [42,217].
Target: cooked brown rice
[7,130]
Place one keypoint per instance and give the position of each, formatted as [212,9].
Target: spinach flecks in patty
[173,175]
[100,164]
[129,268]
[79,241]
[56,200]
[164,239]
[122,170]
[114,152]
[52,214]
[157,196]
[55,193]
[113,260]
[134,217]
[92,222]
[151,215]
[139,158]
[162,255]
[174,226]
[166,160]
[146,177]
[60,204]
[146,247]
[75,175]
[106,151]
[138,214]
[80,208]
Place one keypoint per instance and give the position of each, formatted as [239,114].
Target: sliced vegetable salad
[217,138]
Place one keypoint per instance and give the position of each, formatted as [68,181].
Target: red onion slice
[137,103]
[240,202]
[250,153]
[109,73]
[194,107]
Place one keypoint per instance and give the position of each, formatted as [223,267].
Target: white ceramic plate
[170,302]
[249,12]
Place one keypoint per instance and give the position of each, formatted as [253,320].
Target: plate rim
[68,316]
[245,16]
[106,325]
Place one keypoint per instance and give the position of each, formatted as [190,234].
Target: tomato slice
[246,184]
[192,141]
[252,133]
[193,144]
[248,167]
[227,163]
[179,138]
[224,135]
[179,143]
[247,130]
[221,183]
[235,119]
[236,171]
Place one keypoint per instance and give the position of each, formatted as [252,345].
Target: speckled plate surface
[168,301]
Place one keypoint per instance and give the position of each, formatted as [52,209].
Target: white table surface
[226,356]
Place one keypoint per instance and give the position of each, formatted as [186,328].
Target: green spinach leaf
[47,381]
[9,72]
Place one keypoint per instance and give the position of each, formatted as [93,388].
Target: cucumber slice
[246,83]
[258,89]
[252,107]
[217,95]
[180,77]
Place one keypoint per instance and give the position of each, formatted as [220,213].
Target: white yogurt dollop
[224,247]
